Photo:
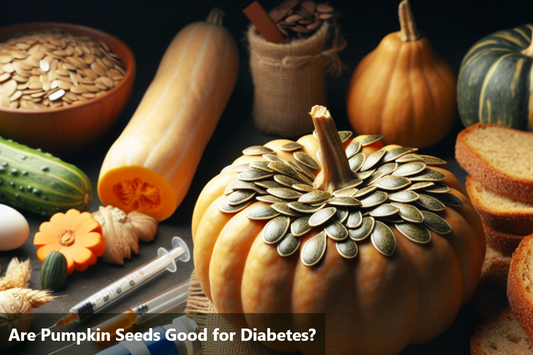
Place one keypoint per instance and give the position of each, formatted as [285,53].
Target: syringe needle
[61,349]
[50,327]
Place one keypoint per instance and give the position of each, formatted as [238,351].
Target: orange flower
[77,236]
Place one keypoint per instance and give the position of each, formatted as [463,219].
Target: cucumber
[39,182]
[54,271]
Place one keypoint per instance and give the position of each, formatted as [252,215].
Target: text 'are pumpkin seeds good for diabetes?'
[52,68]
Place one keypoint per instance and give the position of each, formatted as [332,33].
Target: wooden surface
[148,27]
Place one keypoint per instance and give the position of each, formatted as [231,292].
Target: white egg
[14,229]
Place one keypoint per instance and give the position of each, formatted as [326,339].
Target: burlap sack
[289,79]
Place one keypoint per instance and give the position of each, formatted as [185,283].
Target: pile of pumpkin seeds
[393,189]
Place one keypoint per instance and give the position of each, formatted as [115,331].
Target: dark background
[149,26]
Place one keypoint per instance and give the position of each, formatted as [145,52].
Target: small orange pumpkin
[403,89]
[379,289]
[77,236]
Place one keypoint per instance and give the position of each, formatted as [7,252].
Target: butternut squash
[151,165]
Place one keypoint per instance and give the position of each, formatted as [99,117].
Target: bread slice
[498,212]
[520,284]
[502,335]
[500,157]
[503,242]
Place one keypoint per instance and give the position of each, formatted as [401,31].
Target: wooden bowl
[66,130]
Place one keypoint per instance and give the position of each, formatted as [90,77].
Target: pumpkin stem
[336,173]
[408,30]
[215,17]
[529,50]
[67,238]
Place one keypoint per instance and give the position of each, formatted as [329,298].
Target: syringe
[166,260]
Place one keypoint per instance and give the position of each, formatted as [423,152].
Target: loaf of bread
[500,157]
[505,243]
[502,335]
[520,284]
[498,212]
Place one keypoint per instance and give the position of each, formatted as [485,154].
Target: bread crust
[505,243]
[520,277]
[501,221]
[495,180]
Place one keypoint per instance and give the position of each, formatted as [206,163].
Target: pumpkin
[150,166]
[380,290]
[75,235]
[403,89]
[495,79]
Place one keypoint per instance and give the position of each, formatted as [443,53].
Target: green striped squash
[495,80]
[39,182]
[54,272]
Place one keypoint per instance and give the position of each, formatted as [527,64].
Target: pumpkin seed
[283,192]
[409,212]
[414,232]
[304,179]
[336,230]
[395,153]
[344,201]
[316,196]
[365,190]
[392,182]
[405,196]
[341,214]
[388,168]
[436,223]
[305,208]
[364,230]
[356,162]
[353,148]
[347,248]
[283,168]
[429,174]
[374,177]
[227,208]
[376,198]
[285,180]
[322,216]
[384,210]
[243,185]
[240,196]
[303,187]
[288,245]
[267,184]
[300,226]
[307,170]
[410,169]
[254,175]
[433,160]
[283,208]
[261,165]
[420,185]
[383,239]
[354,219]
[365,174]
[272,158]
[314,249]
[345,135]
[306,160]
[237,168]
[373,159]
[270,199]
[409,158]
[262,213]
[394,219]
[303,170]
[348,191]
[371,139]
[258,150]
[290,147]
[275,229]
[449,199]
[430,202]
[438,188]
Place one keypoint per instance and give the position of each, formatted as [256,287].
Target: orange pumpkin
[403,89]
[379,293]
